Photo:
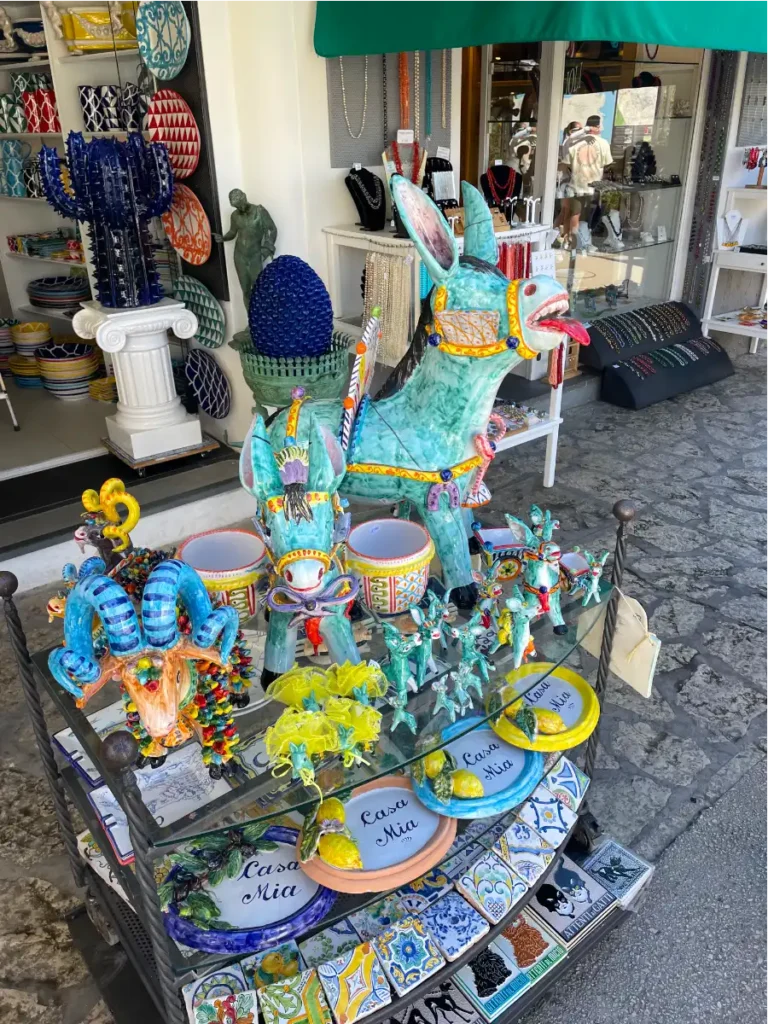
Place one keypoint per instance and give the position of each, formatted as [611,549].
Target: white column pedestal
[150,419]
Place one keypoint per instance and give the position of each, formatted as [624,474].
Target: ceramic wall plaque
[269,900]
[91,854]
[550,818]
[354,984]
[297,1000]
[272,965]
[492,980]
[424,891]
[454,925]
[218,984]
[572,902]
[103,722]
[397,836]
[236,1008]
[532,945]
[507,773]
[176,788]
[567,783]
[492,887]
[620,870]
[445,1004]
[525,851]
[330,943]
[377,917]
[552,688]
[408,954]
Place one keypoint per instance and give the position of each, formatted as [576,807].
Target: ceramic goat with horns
[147,654]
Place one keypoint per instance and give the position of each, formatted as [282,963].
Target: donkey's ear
[258,469]
[326,459]
[427,228]
[521,532]
[479,236]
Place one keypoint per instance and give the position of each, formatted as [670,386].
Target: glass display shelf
[259,796]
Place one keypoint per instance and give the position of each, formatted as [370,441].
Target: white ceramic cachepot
[230,563]
[391,557]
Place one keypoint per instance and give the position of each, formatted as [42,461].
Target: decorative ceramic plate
[170,121]
[507,773]
[560,690]
[187,227]
[270,900]
[210,316]
[163,35]
[397,836]
[208,382]
[103,722]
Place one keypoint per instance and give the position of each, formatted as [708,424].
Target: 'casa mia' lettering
[555,701]
[492,769]
[393,830]
[270,888]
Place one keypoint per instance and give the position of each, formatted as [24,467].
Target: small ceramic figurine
[465,679]
[466,636]
[398,672]
[431,626]
[589,582]
[443,701]
[488,593]
[543,523]
[515,625]
[255,235]
[541,568]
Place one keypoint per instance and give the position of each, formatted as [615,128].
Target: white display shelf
[45,259]
[30,135]
[24,199]
[750,261]
[728,323]
[48,314]
[88,58]
[746,193]
[24,65]
[542,429]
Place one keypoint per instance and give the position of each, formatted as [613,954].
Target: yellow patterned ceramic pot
[230,564]
[391,557]
[90,30]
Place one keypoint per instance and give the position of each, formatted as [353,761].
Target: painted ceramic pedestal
[150,419]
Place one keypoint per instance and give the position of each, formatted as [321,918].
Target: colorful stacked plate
[26,373]
[59,293]
[67,368]
[7,347]
[103,389]
[27,338]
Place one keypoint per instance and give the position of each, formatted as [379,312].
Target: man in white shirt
[587,156]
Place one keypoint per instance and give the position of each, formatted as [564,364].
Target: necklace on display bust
[368,195]
[373,201]
[501,191]
[416,161]
[344,98]
[731,234]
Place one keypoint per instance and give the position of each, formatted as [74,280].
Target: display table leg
[8,587]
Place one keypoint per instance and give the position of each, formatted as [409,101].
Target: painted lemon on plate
[330,810]
[466,785]
[340,852]
[433,763]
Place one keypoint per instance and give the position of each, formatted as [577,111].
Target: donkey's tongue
[573,328]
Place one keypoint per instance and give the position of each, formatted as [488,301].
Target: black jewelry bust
[499,183]
[369,195]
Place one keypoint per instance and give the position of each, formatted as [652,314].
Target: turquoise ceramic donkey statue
[420,443]
[542,577]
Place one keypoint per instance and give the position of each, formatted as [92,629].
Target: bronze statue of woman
[255,235]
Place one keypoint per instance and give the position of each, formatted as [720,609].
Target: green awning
[354,27]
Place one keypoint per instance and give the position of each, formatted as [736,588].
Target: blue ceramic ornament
[290,313]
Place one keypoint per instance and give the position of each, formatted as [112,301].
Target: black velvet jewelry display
[370,198]
[501,183]
[664,373]
[617,336]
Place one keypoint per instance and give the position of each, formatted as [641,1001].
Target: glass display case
[624,130]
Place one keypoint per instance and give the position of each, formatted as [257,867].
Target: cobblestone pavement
[696,468]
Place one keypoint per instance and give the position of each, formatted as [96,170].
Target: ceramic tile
[445,1004]
[525,851]
[407,954]
[458,864]
[454,925]
[225,981]
[272,965]
[567,783]
[104,721]
[571,901]
[491,886]
[619,870]
[422,892]
[492,980]
[373,919]
[534,948]
[354,984]
[237,1008]
[330,943]
[544,813]
[297,1000]
[91,854]
[474,830]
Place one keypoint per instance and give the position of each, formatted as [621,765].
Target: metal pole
[625,511]
[120,751]
[8,587]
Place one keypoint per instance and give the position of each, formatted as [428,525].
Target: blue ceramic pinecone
[290,311]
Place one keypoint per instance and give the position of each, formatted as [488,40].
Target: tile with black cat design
[571,902]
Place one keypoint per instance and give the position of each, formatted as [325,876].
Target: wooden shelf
[49,314]
[24,65]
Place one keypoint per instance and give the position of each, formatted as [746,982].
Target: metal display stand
[159,963]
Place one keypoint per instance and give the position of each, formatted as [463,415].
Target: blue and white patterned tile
[330,943]
[374,918]
[567,783]
[454,925]
[423,892]
[525,851]
[408,954]
[544,813]
[491,886]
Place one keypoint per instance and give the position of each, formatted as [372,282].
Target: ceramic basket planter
[391,557]
[272,380]
[230,564]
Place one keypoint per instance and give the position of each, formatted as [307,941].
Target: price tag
[404,136]
[497,163]
[357,167]
[661,233]
[443,153]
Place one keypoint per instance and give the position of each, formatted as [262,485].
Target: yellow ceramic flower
[294,686]
[364,721]
[330,810]
[433,763]
[339,852]
[466,785]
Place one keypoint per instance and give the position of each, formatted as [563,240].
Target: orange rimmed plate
[187,226]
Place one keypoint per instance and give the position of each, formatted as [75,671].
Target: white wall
[268,105]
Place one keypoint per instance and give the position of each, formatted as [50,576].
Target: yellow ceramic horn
[111,495]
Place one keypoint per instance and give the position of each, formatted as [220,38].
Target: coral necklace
[405,91]
[416,161]
[507,189]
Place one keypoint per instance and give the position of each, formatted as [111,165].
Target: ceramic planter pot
[230,564]
[399,839]
[391,557]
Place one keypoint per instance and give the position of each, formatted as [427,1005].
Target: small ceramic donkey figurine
[489,590]
[466,636]
[398,672]
[589,582]
[541,569]
[431,626]
[515,625]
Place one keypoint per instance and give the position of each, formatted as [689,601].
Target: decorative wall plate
[298,1000]
[525,851]
[163,35]
[397,836]
[561,690]
[219,984]
[408,954]
[103,722]
[507,773]
[187,227]
[454,925]
[492,887]
[211,327]
[178,787]
[354,984]
[330,943]
[567,783]
[270,900]
[208,382]
[170,121]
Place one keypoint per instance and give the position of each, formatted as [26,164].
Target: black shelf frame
[141,930]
